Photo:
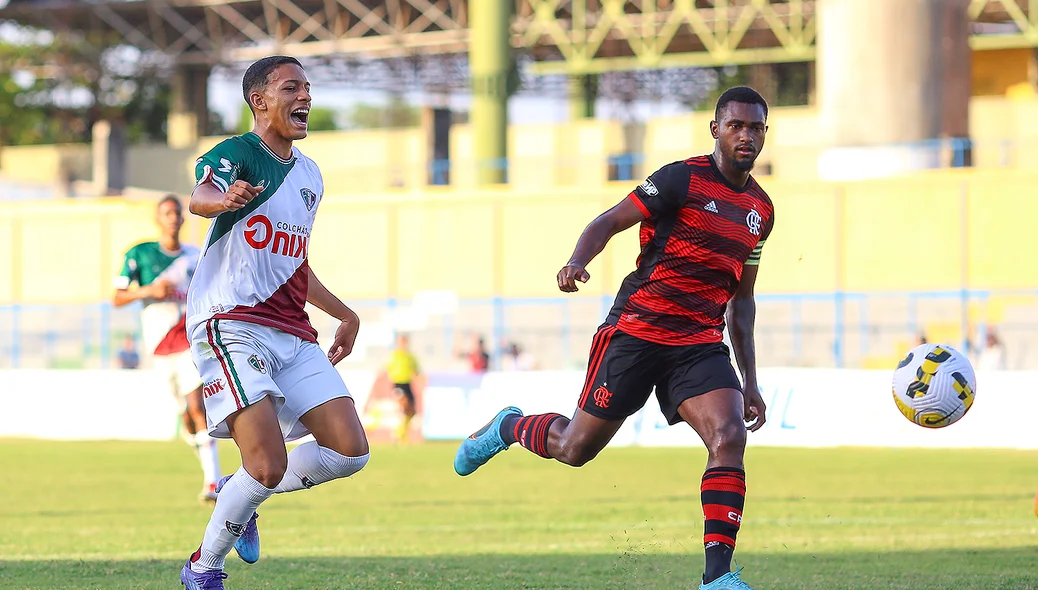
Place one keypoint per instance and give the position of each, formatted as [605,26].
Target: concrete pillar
[492,69]
[189,108]
[583,91]
[108,150]
[893,75]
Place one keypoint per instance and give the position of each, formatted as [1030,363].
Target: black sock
[718,561]
[508,428]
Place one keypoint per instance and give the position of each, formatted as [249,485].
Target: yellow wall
[46,164]
[901,234]
[570,154]
[996,71]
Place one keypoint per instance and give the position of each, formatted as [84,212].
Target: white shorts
[179,371]
[241,363]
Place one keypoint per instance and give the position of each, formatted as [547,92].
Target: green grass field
[118,515]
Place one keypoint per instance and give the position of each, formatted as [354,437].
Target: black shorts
[405,391]
[622,371]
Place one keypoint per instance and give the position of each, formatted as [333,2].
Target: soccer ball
[934,385]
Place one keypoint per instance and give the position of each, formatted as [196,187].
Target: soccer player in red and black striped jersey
[703,223]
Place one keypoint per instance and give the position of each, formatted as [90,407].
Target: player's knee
[728,440]
[342,465]
[270,472]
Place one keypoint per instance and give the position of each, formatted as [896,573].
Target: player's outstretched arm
[346,333]
[594,239]
[742,311]
[208,200]
[159,289]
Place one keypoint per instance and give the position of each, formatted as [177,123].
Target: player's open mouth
[744,150]
[300,115]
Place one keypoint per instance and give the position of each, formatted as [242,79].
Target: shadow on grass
[1009,569]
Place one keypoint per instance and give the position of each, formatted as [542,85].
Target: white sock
[240,497]
[189,438]
[310,464]
[208,456]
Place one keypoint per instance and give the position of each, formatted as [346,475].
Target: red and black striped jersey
[698,233]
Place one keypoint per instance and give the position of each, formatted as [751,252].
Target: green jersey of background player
[161,271]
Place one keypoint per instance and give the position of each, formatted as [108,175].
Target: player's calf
[572,447]
[573,442]
[238,500]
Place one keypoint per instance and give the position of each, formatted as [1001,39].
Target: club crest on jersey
[257,363]
[650,188]
[753,220]
[309,198]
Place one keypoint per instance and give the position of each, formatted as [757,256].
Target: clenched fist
[569,275]
[239,194]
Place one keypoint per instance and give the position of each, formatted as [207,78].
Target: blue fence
[828,330]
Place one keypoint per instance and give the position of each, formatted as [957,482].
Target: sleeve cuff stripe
[220,183]
[639,204]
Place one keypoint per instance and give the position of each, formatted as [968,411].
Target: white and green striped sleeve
[221,165]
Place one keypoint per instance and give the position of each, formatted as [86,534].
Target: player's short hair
[258,74]
[743,94]
[168,198]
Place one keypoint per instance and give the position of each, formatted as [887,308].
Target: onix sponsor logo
[286,240]
[211,388]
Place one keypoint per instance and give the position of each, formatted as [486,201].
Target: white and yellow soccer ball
[934,386]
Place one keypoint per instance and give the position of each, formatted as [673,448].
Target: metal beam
[575,37]
[662,34]
[1004,14]
[672,60]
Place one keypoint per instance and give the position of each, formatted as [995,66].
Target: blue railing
[838,329]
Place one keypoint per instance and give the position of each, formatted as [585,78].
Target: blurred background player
[161,271]
[129,358]
[248,325]
[402,370]
[993,355]
[704,222]
[475,356]
[516,358]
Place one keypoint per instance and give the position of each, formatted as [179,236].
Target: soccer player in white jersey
[162,271]
[266,380]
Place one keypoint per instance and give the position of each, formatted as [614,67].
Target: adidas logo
[711,207]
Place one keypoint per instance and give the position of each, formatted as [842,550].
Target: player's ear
[715,129]
[257,102]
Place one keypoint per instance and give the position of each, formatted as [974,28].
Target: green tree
[245,120]
[397,113]
[321,119]
[781,84]
[53,87]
